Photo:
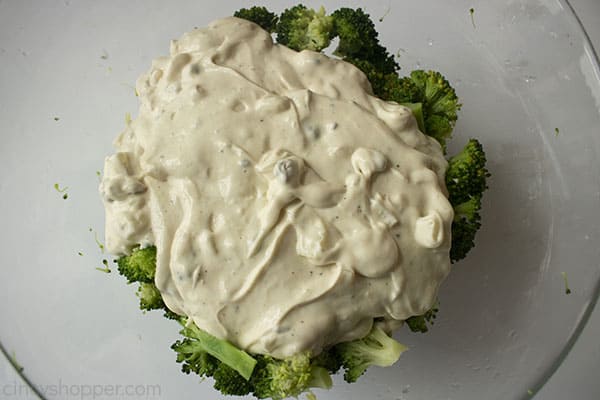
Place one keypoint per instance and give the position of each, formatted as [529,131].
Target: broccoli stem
[224,351]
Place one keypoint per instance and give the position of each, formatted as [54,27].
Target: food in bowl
[288,208]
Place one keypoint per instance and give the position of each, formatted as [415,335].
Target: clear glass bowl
[529,81]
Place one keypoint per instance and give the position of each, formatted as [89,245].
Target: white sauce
[288,205]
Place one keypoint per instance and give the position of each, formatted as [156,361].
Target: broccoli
[300,28]
[260,16]
[435,105]
[465,225]
[466,175]
[270,377]
[440,103]
[466,181]
[419,323]
[229,382]
[195,359]
[377,348]
[360,40]
[202,342]
[329,359]
[150,297]
[280,379]
[140,266]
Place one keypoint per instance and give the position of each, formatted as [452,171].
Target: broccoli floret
[359,40]
[260,16]
[150,298]
[270,378]
[140,266]
[301,28]
[419,323]
[467,174]
[194,359]
[465,225]
[377,348]
[466,180]
[202,342]
[229,382]
[170,314]
[280,379]
[329,359]
[400,90]
[440,103]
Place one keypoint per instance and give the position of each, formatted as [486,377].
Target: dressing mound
[288,205]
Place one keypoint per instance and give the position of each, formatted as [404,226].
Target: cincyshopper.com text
[65,391]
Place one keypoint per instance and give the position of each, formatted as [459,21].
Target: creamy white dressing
[289,206]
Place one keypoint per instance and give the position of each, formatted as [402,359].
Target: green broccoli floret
[467,174]
[400,90]
[329,359]
[280,379]
[359,40]
[377,348]
[229,382]
[466,180]
[202,342]
[465,225]
[170,314]
[419,323]
[140,266]
[150,298]
[440,103]
[194,359]
[301,28]
[260,16]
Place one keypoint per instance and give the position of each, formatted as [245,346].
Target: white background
[578,378]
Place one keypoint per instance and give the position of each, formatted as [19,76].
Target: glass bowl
[529,82]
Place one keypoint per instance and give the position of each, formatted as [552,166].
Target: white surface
[577,378]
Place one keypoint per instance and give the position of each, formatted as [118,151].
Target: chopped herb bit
[80,253]
[530,392]
[58,189]
[386,12]
[100,245]
[556,131]
[56,119]
[13,359]
[472,12]
[567,288]
[136,93]
[105,270]
[63,190]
